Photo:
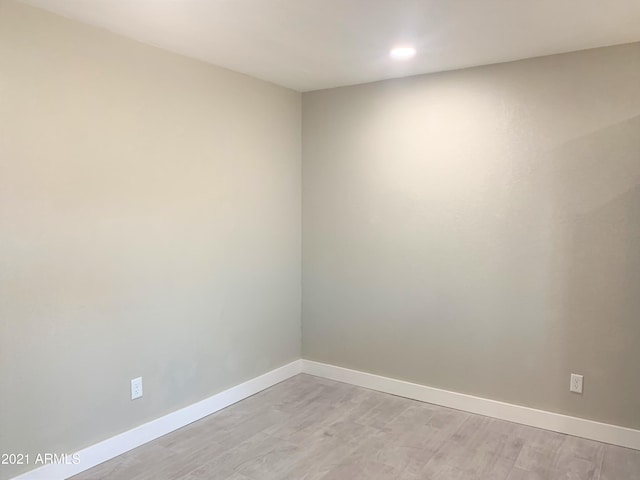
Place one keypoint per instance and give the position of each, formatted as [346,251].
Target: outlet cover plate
[576,383]
[136,388]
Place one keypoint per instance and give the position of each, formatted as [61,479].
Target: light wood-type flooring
[308,428]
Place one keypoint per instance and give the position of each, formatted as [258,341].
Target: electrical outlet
[136,388]
[576,383]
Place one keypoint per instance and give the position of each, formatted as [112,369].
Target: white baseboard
[114,446]
[579,427]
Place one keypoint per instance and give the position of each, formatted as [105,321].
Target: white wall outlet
[576,383]
[136,388]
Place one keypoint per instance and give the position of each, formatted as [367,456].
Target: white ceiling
[314,44]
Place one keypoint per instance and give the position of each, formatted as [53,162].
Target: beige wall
[149,225]
[479,231]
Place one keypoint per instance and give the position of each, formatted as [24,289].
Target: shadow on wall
[596,280]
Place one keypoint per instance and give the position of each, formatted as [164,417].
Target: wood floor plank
[308,428]
[620,463]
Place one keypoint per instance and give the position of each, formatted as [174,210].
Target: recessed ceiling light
[402,53]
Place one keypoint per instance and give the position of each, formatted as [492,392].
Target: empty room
[319,240]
